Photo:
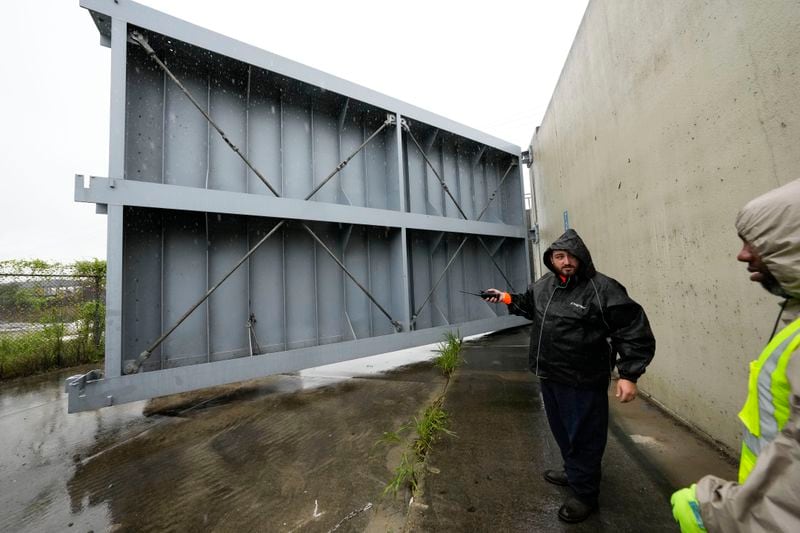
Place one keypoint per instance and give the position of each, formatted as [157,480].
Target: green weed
[449,351]
[428,427]
[391,437]
[404,475]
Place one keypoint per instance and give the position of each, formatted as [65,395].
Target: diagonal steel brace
[494,194]
[441,181]
[441,277]
[141,40]
[407,128]
[134,365]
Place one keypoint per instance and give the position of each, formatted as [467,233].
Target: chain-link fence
[50,317]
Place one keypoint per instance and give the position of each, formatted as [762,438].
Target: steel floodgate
[265,217]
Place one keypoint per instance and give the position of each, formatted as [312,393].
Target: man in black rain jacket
[582,320]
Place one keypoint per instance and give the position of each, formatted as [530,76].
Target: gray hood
[771,224]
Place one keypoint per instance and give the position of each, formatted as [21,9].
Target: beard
[561,271]
[773,286]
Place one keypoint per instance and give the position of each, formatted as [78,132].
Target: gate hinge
[527,157]
[533,234]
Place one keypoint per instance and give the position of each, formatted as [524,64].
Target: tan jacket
[769,500]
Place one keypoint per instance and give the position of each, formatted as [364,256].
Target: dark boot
[556,477]
[575,510]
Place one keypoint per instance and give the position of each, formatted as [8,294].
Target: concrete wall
[667,118]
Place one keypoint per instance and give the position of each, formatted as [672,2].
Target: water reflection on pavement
[49,464]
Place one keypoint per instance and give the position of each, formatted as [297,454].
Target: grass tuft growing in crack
[391,437]
[428,427]
[404,475]
[449,351]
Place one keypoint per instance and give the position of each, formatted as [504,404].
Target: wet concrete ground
[490,477]
[301,453]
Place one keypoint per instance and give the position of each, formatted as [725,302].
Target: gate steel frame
[119,197]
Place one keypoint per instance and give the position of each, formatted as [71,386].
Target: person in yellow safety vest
[767,494]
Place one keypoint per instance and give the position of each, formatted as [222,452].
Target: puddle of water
[644,440]
[37,457]
[366,366]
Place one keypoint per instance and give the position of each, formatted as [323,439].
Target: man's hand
[497,296]
[626,390]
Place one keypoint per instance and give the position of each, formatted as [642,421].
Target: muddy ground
[302,452]
[284,453]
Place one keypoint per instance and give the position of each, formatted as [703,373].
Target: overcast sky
[491,65]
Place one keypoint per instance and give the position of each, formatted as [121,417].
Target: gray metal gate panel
[424,209]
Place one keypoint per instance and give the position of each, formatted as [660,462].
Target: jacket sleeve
[769,500]
[630,332]
[523,304]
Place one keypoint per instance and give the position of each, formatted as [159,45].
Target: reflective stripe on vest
[766,409]
[749,457]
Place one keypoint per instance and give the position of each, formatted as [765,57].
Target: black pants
[579,421]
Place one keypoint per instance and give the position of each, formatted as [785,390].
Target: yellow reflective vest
[766,409]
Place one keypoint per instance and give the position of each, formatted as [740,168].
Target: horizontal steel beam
[88,394]
[153,20]
[156,195]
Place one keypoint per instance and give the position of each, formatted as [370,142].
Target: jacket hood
[771,224]
[571,242]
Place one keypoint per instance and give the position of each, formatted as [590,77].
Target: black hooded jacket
[581,324]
